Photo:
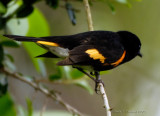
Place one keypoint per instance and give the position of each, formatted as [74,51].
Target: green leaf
[52,3]
[111,6]
[74,73]
[18,26]
[65,71]
[70,73]
[9,43]
[9,64]
[3,38]
[2,8]
[29,107]
[55,77]
[84,84]
[3,84]
[38,27]
[7,106]
[10,57]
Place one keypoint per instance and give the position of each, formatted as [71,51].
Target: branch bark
[51,94]
[105,100]
[89,16]
[102,90]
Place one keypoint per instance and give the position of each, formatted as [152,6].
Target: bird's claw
[97,85]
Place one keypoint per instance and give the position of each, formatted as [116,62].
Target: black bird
[94,50]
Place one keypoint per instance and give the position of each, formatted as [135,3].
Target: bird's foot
[97,87]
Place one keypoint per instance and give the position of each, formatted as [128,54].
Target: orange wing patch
[48,43]
[119,60]
[94,53]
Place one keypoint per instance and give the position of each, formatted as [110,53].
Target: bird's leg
[87,74]
[98,80]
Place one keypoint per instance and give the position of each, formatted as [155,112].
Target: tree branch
[89,16]
[52,94]
[105,100]
[102,90]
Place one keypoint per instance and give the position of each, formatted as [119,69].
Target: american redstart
[94,50]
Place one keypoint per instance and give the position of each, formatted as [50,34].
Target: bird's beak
[139,54]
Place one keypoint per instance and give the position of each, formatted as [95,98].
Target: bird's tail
[22,38]
[56,41]
[51,41]
[54,44]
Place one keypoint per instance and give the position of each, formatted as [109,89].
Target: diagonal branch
[52,94]
[100,84]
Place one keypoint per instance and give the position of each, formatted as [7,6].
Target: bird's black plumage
[100,50]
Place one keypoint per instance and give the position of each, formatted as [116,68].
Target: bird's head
[131,43]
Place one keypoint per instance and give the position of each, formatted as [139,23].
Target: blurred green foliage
[22,17]
[29,107]
[7,106]
[3,84]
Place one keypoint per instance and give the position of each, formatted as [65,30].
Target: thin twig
[102,90]
[105,99]
[89,16]
[52,94]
